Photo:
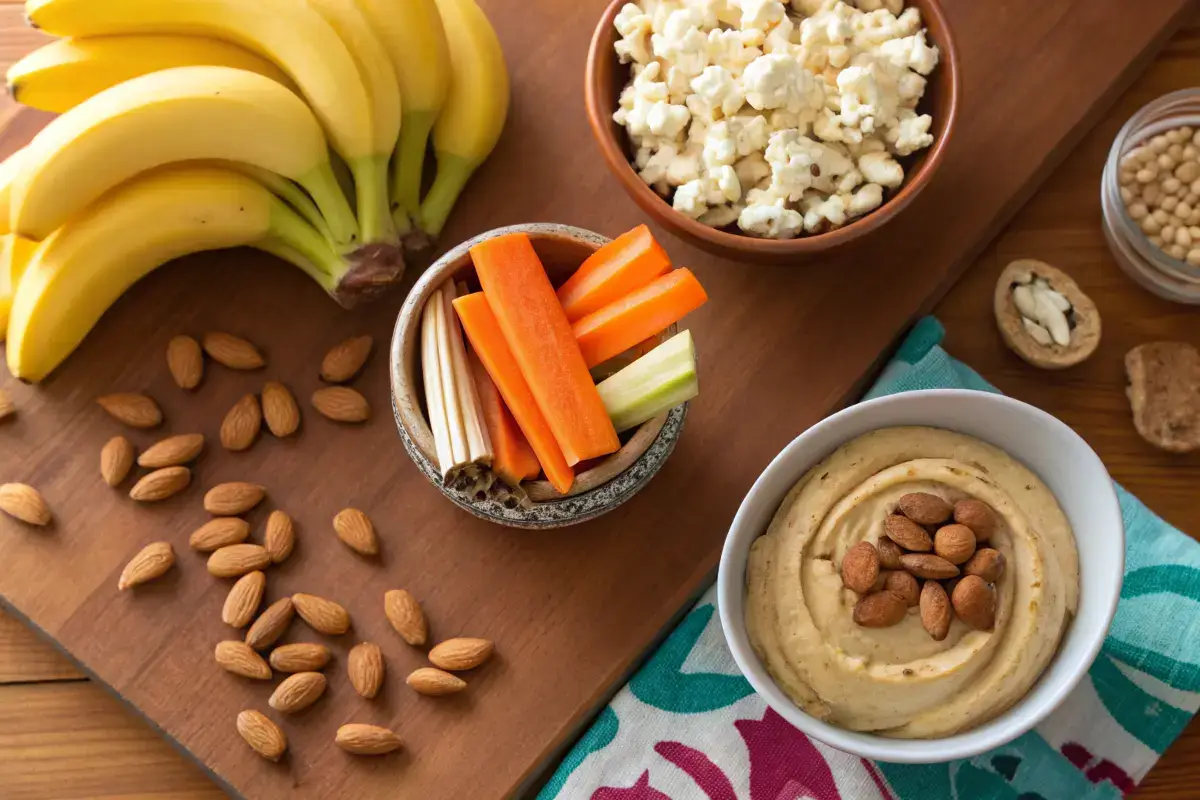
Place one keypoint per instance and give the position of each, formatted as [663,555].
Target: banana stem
[453,172]
[410,161]
[299,243]
[371,189]
[322,186]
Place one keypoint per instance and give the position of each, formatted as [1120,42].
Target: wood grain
[781,348]
[24,658]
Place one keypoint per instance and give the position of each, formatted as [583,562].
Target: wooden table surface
[63,737]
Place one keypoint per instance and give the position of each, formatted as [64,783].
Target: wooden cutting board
[571,611]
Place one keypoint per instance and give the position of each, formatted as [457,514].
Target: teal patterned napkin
[689,727]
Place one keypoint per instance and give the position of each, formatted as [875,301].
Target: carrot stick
[639,315]
[623,265]
[487,341]
[535,327]
[512,457]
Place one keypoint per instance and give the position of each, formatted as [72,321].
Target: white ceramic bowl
[1056,453]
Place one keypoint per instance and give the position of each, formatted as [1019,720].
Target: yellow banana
[168,116]
[81,270]
[475,110]
[61,75]
[14,255]
[8,173]
[411,30]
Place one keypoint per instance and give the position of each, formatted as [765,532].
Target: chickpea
[1175,151]
[1168,203]
[1131,162]
[1184,210]
[1194,219]
[1191,199]
[1138,211]
[1168,232]
[1157,241]
[1171,185]
[1127,195]
[1160,216]
[1190,153]
[1174,136]
[1165,162]
[1187,131]
[1151,226]
[1176,252]
[1193,257]
[1127,178]
[1194,230]
[1147,173]
[1188,171]
[1182,237]
[1195,187]
[1159,144]
[1151,194]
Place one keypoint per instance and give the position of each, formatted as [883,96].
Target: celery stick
[657,382]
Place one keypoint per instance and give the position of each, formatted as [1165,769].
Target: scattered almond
[173,451]
[241,425]
[905,585]
[230,499]
[860,567]
[955,543]
[243,599]
[323,616]
[935,610]
[279,409]
[366,669]
[240,659]
[135,410]
[366,740]
[975,603]
[297,692]
[218,533]
[341,404]
[924,565]
[116,459]
[879,610]
[280,538]
[232,351]
[461,654]
[355,530]
[271,624]
[986,563]
[151,562]
[406,616]
[924,508]
[25,503]
[435,682]
[300,657]
[344,360]
[264,736]
[908,534]
[889,553]
[161,484]
[976,515]
[185,361]
[7,407]
[236,560]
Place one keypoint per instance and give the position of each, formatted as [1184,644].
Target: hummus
[898,681]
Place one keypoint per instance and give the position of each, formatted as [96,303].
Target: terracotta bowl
[606,77]
[608,483]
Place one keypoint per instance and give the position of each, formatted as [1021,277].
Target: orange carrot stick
[512,457]
[648,311]
[626,263]
[487,341]
[536,329]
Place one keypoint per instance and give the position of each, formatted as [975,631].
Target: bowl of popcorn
[766,131]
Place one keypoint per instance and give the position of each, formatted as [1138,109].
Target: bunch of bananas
[298,127]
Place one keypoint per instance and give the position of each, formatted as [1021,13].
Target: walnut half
[1043,315]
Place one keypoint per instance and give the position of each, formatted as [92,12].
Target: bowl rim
[1015,721]
[599,115]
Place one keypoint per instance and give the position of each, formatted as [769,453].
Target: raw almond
[116,459]
[341,404]
[986,563]
[232,351]
[279,409]
[240,659]
[172,452]
[236,560]
[135,410]
[406,616]
[908,534]
[905,585]
[7,407]
[323,616]
[975,603]
[185,361]
[344,360]
[300,657]
[461,654]
[25,503]
[976,515]
[366,740]
[935,610]
[241,425]
[931,567]
[366,669]
[230,499]
[355,530]
[271,624]
[924,508]
[955,543]
[889,553]
[280,538]
[879,610]
[218,533]
[243,599]
[264,736]
[435,682]
[860,567]
[297,692]
[151,562]
[161,484]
